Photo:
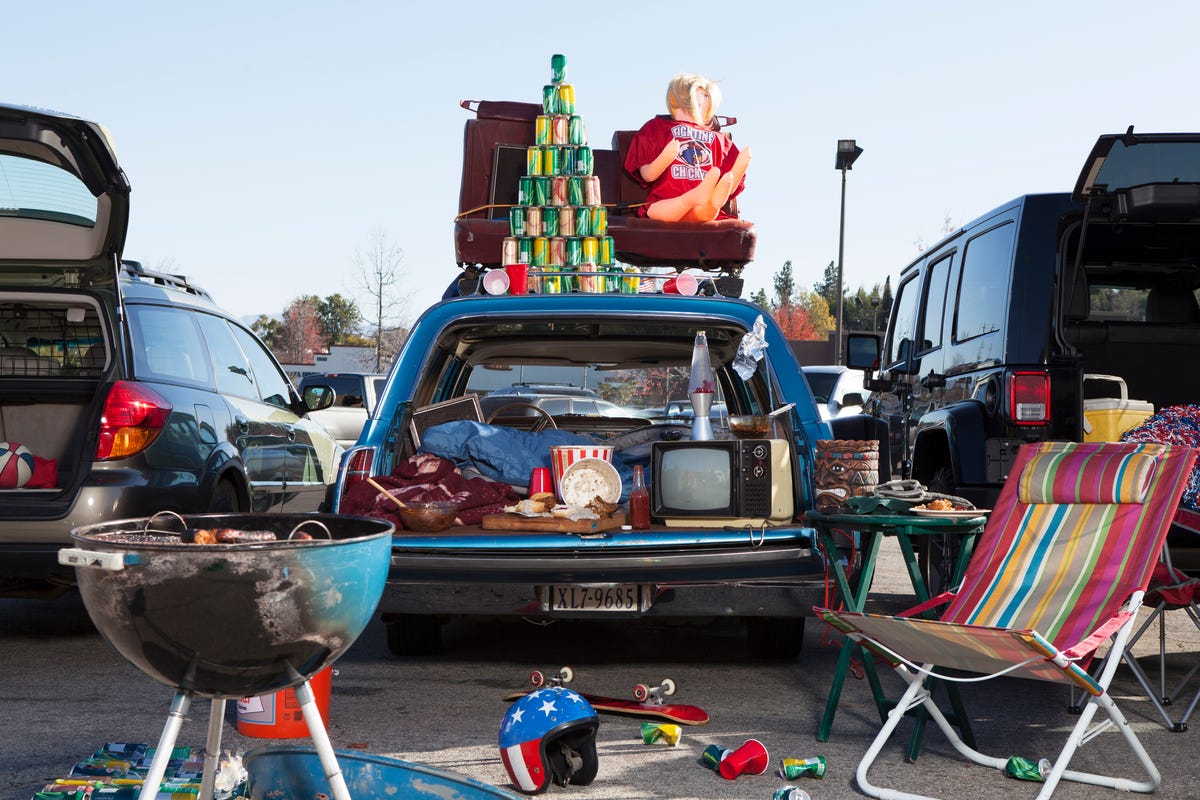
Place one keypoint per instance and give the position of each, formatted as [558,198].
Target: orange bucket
[278,715]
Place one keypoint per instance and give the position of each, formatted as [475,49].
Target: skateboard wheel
[668,687]
[567,674]
[641,692]
[537,678]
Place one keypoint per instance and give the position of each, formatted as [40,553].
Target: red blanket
[429,477]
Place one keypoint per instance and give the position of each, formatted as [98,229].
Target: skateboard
[647,700]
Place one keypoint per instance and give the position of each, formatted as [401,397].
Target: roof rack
[135,270]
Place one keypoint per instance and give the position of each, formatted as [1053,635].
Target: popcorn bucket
[563,456]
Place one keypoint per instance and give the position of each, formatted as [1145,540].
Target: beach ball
[16,465]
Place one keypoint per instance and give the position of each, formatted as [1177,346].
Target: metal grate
[50,340]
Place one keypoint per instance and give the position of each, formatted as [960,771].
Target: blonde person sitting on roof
[691,168]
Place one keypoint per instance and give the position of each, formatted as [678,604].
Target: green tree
[340,317]
[267,329]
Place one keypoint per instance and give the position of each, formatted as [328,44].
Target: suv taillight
[357,469]
[133,417]
[1029,398]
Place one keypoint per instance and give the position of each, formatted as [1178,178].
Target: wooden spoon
[383,491]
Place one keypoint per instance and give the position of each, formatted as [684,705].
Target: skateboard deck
[648,703]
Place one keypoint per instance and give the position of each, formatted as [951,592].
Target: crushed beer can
[792,768]
[713,755]
[1025,770]
[790,793]
[655,732]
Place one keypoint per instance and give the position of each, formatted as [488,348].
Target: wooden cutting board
[516,522]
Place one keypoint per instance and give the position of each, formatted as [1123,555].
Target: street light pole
[847,152]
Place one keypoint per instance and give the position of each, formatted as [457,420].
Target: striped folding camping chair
[1060,569]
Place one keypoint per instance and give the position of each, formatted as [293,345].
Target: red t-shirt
[700,148]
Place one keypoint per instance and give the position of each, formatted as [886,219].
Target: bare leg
[725,186]
[673,209]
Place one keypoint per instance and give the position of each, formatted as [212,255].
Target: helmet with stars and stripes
[549,735]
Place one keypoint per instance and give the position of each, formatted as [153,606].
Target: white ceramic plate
[587,478]
[953,514]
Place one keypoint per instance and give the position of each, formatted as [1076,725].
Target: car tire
[937,554]
[224,499]
[413,635]
[774,638]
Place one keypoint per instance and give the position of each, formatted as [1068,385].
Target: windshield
[822,384]
[33,189]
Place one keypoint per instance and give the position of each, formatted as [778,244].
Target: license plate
[622,597]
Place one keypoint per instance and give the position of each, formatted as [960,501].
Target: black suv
[132,390]
[1053,317]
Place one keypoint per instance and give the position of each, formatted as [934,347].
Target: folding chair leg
[1162,698]
[1080,735]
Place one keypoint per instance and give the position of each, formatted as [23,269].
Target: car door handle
[933,381]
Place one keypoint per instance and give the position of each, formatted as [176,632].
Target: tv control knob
[759,451]
[758,471]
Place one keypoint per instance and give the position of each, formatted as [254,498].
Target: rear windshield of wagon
[640,365]
[32,189]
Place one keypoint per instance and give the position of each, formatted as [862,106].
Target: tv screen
[695,478]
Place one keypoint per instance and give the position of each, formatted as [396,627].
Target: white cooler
[1106,418]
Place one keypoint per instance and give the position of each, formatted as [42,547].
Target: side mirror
[862,351]
[850,399]
[318,397]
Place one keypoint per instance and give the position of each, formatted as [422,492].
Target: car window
[935,304]
[167,345]
[983,287]
[232,370]
[904,321]
[34,189]
[273,385]
[555,405]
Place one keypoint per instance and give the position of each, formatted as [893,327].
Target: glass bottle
[639,501]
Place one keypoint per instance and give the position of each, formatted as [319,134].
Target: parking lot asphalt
[64,692]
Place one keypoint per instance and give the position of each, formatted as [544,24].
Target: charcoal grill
[232,620]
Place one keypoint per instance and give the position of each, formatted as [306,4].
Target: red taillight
[357,468]
[133,417]
[1029,398]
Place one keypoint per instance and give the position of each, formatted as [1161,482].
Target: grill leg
[320,738]
[166,743]
[212,748]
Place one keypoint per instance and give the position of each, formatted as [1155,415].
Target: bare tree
[378,268]
[299,334]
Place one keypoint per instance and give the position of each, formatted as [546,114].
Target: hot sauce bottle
[639,501]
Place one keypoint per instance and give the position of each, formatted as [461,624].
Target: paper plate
[588,478]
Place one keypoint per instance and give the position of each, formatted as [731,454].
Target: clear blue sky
[265,141]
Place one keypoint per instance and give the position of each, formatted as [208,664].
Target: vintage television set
[722,482]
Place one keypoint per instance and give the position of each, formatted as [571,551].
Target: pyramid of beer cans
[560,224]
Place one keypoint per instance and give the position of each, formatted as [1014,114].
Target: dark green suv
[131,391]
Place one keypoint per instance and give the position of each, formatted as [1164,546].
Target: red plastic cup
[539,481]
[518,278]
[749,759]
[683,283]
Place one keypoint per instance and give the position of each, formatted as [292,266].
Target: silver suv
[131,390]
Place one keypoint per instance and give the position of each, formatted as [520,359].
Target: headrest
[1171,305]
[1063,472]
